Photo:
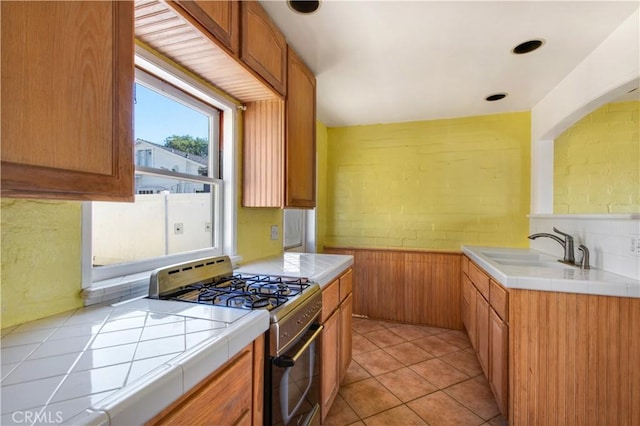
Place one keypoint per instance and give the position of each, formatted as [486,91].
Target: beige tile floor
[412,375]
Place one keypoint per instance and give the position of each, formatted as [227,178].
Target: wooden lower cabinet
[482,329]
[483,303]
[336,341]
[346,347]
[469,309]
[575,359]
[499,360]
[231,395]
[330,363]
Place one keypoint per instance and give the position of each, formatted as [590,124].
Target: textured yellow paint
[430,184]
[254,233]
[321,190]
[597,162]
[41,259]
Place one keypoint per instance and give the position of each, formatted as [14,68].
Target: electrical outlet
[178,228]
[274,232]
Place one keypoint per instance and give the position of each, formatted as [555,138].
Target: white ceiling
[393,61]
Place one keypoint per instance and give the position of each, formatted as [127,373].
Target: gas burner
[269,289]
[230,282]
[208,295]
[256,302]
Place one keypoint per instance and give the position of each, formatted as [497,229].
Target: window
[184,204]
[294,230]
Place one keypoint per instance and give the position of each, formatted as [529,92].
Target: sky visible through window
[158,117]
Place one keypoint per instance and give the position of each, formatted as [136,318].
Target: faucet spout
[544,234]
[566,243]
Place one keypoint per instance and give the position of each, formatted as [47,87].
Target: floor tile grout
[446,395]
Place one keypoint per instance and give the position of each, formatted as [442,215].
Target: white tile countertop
[320,268]
[118,364]
[534,270]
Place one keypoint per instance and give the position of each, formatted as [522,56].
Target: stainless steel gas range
[291,385]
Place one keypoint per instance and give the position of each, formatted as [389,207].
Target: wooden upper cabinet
[300,134]
[279,150]
[67,100]
[263,46]
[220,18]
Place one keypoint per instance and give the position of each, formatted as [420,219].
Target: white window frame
[131,279]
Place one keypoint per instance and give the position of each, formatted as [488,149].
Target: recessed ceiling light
[527,46]
[495,97]
[303,6]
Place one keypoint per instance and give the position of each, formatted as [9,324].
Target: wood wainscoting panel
[409,286]
[574,358]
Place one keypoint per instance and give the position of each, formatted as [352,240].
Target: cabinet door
[221,18]
[499,353]
[224,398]
[469,310]
[482,327]
[346,311]
[67,100]
[263,48]
[330,363]
[300,134]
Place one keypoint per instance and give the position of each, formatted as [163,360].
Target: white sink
[499,256]
[532,263]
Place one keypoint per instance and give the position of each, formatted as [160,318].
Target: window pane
[293,228]
[155,225]
[169,134]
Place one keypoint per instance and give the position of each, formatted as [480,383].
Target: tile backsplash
[613,240]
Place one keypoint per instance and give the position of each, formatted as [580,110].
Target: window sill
[126,287]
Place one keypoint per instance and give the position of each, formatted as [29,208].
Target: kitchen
[351,213]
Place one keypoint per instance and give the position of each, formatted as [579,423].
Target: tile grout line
[459,349]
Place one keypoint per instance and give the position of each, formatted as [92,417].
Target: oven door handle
[285,361]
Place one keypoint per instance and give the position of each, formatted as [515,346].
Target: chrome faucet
[566,243]
[584,263]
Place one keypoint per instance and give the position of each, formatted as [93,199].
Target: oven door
[296,382]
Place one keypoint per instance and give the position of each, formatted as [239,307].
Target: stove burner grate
[242,291]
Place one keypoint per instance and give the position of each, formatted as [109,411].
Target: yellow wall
[41,252]
[42,246]
[597,162]
[254,233]
[321,190]
[430,184]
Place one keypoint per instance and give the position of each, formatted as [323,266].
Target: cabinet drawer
[479,279]
[499,299]
[330,300]
[346,284]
